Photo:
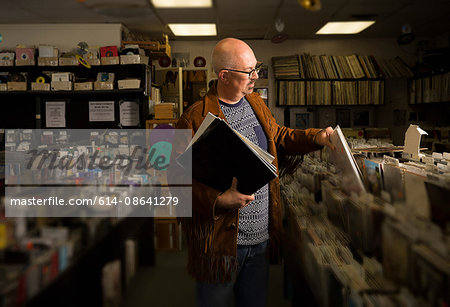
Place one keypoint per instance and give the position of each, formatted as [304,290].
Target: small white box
[133,59]
[83,86]
[93,62]
[130,83]
[6,62]
[3,87]
[53,61]
[40,86]
[68,62]
[61,85]
[27,62]
[102,86]
[17,86]
[113,60]
[61,76]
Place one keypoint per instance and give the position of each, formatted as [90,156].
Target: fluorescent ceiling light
[181,3]
[193,29]
[345,27]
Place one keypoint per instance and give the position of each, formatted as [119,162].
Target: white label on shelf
[129,113]
[101,111]
[55,114]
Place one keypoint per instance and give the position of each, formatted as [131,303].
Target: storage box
[3,87]
[6,62]
[83,86]
[113,60]
[27,62]
[130,83]
[62,76]
[68,62]
[93,62]
[133,59]
[52,61]
[164,110]
[101,86]
[61,85]
[40,86]
[17,86]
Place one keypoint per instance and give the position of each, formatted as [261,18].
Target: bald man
[230,234]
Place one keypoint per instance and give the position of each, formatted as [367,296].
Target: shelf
[361,79]
[332,105]
[56,93]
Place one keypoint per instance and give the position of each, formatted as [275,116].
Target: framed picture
[361,118]
[263,72]
[264,92]
[302,120]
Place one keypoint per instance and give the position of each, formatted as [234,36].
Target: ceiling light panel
[181,3]
[193,29]
[345,27]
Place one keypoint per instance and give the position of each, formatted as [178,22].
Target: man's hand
[323,138]
[232,198]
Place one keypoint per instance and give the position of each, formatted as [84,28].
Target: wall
[265,50]
[63,36]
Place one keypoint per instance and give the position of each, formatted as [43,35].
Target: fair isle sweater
[254,218]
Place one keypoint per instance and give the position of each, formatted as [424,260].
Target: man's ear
[223,75]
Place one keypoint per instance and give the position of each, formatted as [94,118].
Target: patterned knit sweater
[254,218]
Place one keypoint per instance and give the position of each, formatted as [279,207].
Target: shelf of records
[43,253]
[430,89]
[326,93]
[46,81]
[386,246]
[82,54]
[334,67]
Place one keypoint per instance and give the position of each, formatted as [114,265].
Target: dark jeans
[250,288]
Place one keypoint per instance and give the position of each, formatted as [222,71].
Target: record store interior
[89,81]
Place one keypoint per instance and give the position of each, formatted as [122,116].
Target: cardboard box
[165,110]
[68,62]
[93,62]
[27,62]
[61,85]
[102,86]
[6,62]
[3,87]
[113,60]
[83,86]
[62,76]
[17,86]
[130,83]
[40,86]
[53,61]
[133,59]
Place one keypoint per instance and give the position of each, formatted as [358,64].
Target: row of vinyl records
[363,250]
[362,92]
[434,88]
[353,66]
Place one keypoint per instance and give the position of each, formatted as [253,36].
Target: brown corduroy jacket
[211,233]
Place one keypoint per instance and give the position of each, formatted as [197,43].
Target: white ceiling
[245,19]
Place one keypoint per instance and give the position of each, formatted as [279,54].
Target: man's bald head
[231,53]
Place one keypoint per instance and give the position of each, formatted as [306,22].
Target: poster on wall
[129,113]
[101,111]
[55,114]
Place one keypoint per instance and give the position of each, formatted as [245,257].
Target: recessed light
[345,27]
[181,3]
[193,29]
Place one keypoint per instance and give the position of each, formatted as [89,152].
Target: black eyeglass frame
[249,73]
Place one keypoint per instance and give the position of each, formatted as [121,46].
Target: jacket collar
[212,105]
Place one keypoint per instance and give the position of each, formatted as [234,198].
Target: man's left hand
[323,138]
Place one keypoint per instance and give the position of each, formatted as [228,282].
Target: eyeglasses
[249,73]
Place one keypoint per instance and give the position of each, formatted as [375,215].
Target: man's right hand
[232,198]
